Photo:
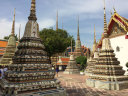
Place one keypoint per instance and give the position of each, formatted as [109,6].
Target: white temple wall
[120,46]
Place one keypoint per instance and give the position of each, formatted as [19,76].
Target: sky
[90,12]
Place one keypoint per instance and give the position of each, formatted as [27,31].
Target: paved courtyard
[75,86]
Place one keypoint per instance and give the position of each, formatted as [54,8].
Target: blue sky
[90,12]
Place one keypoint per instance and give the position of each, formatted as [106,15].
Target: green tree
[7,37]
[55,41]
[82,60]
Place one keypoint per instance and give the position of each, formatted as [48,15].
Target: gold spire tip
[14,14]
[114,9]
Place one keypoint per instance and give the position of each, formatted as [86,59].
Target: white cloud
[46,23]
[81,6]
[6,27]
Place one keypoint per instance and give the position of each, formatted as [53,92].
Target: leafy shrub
[82,60]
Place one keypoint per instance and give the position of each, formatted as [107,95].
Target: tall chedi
[72,67]
[94,43]
[11,47]
[107,73]
[92,60]
[31,72]
[78,50]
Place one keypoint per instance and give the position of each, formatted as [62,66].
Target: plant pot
[81,73]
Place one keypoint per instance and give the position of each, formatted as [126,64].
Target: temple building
[62,63]
[6,58]
[117,32]
[107,73]
[31,73]
[78,50]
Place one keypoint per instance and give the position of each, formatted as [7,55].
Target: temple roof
[115,18]
[63,61]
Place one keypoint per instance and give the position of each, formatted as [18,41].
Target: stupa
[94,43]
[92,60]
[91,63]
[107,73]
[11,47]
[72,67]
[31,73]
[78,50]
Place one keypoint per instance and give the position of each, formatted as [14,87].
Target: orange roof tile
[65,59]
[3,44]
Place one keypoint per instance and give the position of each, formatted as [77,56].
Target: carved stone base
[119,85]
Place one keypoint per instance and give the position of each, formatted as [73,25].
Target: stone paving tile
[75,86]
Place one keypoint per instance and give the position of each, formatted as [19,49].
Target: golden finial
[33,10]
[114,10]
[57,20]
[13,24]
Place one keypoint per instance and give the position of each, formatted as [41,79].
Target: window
[117,49]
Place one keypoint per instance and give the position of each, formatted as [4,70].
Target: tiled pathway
[75,86]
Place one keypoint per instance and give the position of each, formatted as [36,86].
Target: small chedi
[11,47]
[31,73]
[107,73]
[91,63]
[72,67]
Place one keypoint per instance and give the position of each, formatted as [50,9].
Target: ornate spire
[78,35]
[105,22]
[19,32]
[57,20]
[33,11]
[94,35]
[13,25]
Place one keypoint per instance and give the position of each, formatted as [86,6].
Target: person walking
[57,70]
[1,72]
